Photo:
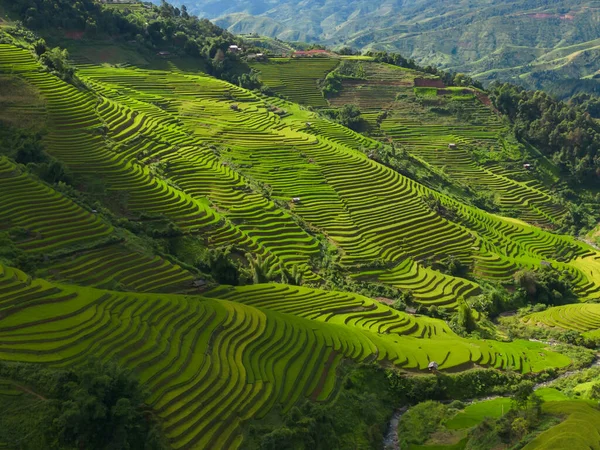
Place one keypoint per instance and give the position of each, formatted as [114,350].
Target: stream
[391,440]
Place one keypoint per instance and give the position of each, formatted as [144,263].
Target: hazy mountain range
[540,42]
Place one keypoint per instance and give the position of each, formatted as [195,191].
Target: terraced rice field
[583,318]
[378,91]
[430,141]
[426,135]
[212,363]
[580,430]
[297,78]
[172,145]
[46,222]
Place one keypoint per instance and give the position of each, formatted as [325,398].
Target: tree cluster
[99,406]
[348,115]
[565,132]
[164,28]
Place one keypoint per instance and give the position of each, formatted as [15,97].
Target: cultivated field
[226,172]
[214,362]
[224,165]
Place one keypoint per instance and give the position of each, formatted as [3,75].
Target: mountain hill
[270,262]
[534,43]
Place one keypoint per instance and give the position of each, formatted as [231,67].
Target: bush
[57,62]
[98,407]
[420,422]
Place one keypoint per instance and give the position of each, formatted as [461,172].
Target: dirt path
[30,392]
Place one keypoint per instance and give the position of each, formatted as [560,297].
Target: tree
[465,319]
[522,394]
[222,267]
[56,60]
[102,407]
[519,427]
[595,391]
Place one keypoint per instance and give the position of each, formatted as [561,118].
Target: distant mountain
[533,42]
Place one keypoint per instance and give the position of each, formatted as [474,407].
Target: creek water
[391,440]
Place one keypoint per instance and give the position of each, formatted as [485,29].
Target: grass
[475,413]
[20,104]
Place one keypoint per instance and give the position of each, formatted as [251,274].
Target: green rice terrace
[241,252]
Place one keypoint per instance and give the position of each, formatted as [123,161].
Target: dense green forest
[568,132]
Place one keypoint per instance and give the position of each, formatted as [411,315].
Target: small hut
[452,146]
[527,166]
[296,200]
[433,366]
[235,107]
[199,283]
[234,49]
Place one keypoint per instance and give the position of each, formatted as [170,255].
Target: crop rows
[369,211]
[44,219]
[581,317]
[378,90]
[430,142]
[220,161]
[297,78]
[213,363]
[82,128]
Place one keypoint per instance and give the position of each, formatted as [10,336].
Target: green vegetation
[97,406]
[296,78]
[563,131]
[262,270]
[165,29]
[535,43]
[358,418]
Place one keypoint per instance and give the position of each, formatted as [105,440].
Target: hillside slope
[535,43]
[232,181]
[213,239]
[212,363]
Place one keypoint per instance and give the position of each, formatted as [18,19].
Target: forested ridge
[564,131]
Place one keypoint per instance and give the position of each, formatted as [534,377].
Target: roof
[433,365]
